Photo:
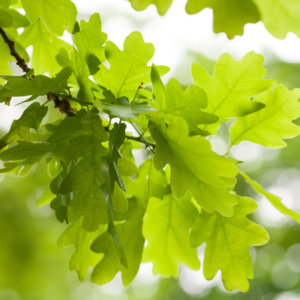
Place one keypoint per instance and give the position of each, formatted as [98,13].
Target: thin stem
[11,44]
[137,91]
[141,139]
[138,139]
[71,98]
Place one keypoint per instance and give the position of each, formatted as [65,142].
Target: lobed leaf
[133,65]
[161,5]
[83,257]
[273,123]
[232,86]
[166,228]
[227,244]
[172,101]
[195,168]
[230,16]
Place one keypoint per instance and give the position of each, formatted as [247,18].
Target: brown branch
[11,44]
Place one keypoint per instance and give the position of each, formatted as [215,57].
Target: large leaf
[130,232]
[274,200]
[230,16]
[194,166]
[45,47]
[273,123]
[58,15]
[174,102]
[227,244]
[83,257]
[89,43]
[18,86]
[86,178]
[161,5]
[233,84]
[166,228]
[280,17]
[128,68]
[20,129]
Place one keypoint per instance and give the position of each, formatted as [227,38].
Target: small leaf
[161,5]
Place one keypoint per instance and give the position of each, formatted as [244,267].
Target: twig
[11,44]
[138,139]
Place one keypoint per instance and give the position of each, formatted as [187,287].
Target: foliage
[230,16]
[184,193]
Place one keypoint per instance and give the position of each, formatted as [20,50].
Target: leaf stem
[11,44]
[139,139]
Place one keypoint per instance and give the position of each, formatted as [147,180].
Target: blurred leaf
[275,200]
[161,5]
[230,16]
[6,19]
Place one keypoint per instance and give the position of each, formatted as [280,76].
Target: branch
[11,44]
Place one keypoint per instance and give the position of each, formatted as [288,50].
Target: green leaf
[227,244]
[45,48]
[195,168]
[47,197]
[58,15]
[57,145]
[83,257]
[17,86]
[161,5]
[275,200]
[166,228]
[126,167]
[5,3]
[89,43]
[6,19]
[130,232]
[86,178]
[230,16]
[19,19]
[20,129]
[172,101]
[61,202]
[287,11]
[122,108]
[133,63]
[111,175]
[273,123]
[232,86]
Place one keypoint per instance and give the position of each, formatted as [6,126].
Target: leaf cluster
[183,193]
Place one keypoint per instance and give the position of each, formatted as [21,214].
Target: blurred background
[32,267]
